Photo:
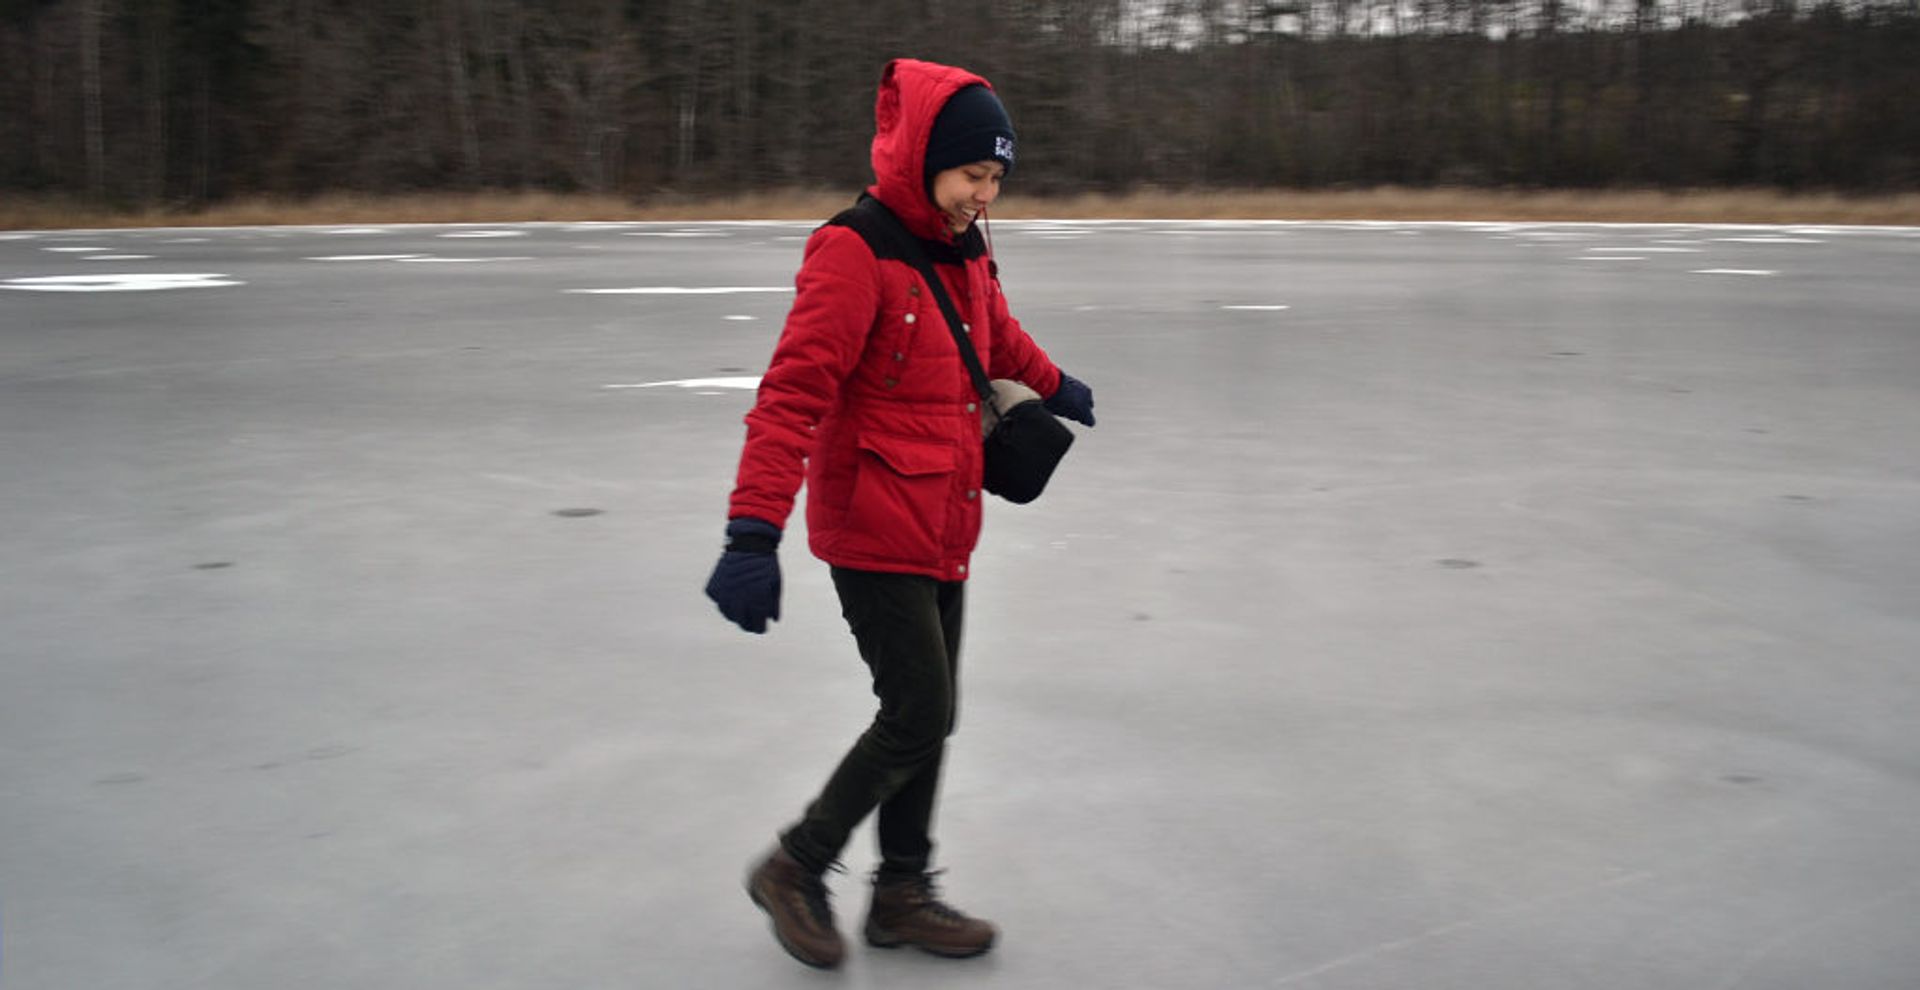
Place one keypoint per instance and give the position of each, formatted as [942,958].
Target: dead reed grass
[1703,206]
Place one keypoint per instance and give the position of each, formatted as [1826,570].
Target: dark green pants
[908,631]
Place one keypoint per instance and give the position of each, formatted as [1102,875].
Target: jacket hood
[911,95]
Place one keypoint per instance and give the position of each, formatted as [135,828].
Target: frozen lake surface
[1436,605]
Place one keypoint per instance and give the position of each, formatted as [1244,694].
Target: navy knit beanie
[972,127]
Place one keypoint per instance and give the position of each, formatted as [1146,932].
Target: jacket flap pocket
[910,456]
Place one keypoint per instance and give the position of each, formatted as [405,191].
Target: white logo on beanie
[1003,148]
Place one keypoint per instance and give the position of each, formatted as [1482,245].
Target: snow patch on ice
[129,282]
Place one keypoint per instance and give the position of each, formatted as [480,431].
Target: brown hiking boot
[909,912]
[796,899]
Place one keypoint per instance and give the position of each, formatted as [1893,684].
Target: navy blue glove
[1073,400]
[746,581]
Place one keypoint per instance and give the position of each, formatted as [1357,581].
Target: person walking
[866,400]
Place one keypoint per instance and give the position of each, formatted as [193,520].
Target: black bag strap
[884,232]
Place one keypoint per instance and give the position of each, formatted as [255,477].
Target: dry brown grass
[483,207]
[1706,206]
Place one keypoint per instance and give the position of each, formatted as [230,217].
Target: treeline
[193,101]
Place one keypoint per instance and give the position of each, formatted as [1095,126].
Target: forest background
[182,108]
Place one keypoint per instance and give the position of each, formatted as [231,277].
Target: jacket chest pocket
[900,498]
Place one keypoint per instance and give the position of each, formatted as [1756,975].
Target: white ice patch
[1219,231]
[739,318]
[366,257]
[745,383]
[356,230]
[486,233]
[675,290]
[1258,309]
[430,260]
[118,257]
[1610,257]
[116,283]
[1651,250]
[75,250]
[1734,271]
[676,233]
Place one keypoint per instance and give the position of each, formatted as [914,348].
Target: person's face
[962,192]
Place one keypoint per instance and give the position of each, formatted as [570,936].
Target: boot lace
[924,893]
[813,891]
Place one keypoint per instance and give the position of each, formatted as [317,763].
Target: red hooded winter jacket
[866,397]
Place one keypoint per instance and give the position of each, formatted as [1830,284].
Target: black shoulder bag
[1024,442]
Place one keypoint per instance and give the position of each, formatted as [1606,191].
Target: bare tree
[93,97]
[460,100]
[162,99]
